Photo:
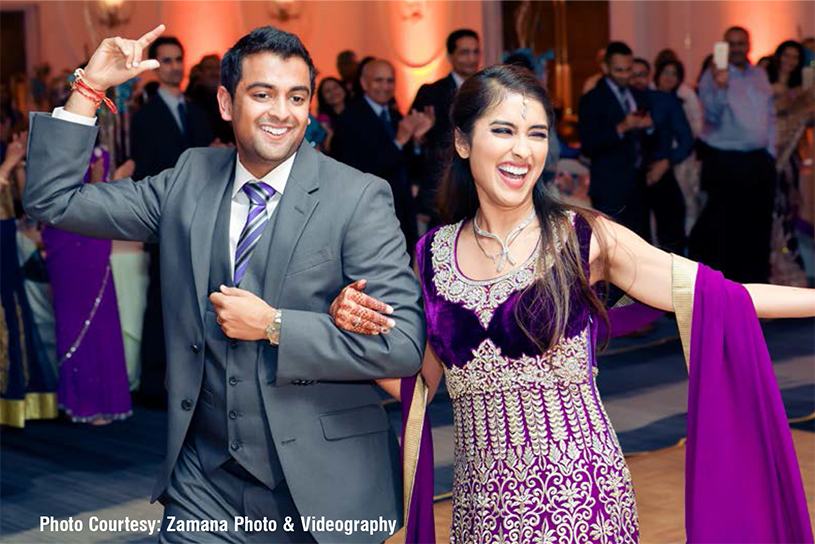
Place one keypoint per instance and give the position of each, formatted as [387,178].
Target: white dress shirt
[458,79]
[172,102]
[239,209]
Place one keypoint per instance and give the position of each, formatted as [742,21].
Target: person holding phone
[738,166]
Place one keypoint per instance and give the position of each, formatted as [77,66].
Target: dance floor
[52,468]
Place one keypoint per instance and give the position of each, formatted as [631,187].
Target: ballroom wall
[410,33]
[691,27]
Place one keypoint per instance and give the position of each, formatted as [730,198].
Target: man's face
[378,81]
[347,66]
[171,64]
[739,45]
[620,68]
[211,71]
[269,112]
[640,76]
[466,57]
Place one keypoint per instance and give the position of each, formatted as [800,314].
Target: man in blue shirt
[738,168]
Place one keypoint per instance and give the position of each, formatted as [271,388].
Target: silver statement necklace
[501,258]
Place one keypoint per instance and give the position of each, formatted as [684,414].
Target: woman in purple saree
[513,321]
[93,386]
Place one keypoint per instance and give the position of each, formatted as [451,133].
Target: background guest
[738,168]
[332,98]
[162,129]
[669,78]
[374,137]
[794,111]
[464,55]
[612,123]
[28,383]
[93,383]
[348,68]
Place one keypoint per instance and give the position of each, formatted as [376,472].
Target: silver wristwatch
[273,330]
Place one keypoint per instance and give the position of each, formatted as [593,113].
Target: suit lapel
[293,213]
[203,224]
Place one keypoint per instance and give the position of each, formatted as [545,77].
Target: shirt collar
[614,87]
[277,178]
[169,99]
[377,107]
[458,79]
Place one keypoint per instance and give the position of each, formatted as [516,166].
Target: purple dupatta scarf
[742,480]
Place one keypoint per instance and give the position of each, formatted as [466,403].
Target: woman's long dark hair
[560,271]
[324,107]
[796,76]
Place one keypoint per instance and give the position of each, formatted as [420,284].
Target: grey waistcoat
[230,420]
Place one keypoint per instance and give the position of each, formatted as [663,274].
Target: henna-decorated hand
[354,311]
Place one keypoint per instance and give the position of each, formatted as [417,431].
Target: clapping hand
[15,153]
[354,311]
[427,119]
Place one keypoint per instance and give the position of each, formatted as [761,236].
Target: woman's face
[508,150]
[668,80]
[333,93]
[789,59]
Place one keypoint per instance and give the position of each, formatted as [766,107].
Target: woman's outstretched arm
[620,256]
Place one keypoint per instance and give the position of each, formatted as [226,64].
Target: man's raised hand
[117,60]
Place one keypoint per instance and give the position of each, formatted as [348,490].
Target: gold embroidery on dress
[481,296]
[535,457]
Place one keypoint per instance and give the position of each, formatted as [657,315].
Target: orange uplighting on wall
[769,23]
[203,27]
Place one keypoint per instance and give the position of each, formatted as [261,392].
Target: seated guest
[374,137]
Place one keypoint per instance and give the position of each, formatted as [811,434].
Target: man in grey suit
[272,412]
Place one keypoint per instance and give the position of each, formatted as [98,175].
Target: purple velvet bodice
[479,303]
[536,459]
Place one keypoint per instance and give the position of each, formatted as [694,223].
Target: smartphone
[721,52]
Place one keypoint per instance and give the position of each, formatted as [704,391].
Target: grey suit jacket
[334,225]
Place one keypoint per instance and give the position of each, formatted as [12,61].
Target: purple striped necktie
[260,194]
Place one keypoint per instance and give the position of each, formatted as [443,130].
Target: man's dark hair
[644,62]
[152,52]
[616,48]
[678,66]
[736,29]
[266,39]
[456,35]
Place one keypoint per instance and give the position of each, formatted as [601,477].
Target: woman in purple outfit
[93,386]
[513,318]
